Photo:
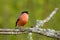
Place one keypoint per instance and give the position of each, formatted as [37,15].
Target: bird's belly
[22,22]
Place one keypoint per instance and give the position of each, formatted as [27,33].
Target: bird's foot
[22,29]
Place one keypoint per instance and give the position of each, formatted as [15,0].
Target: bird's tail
[16,27]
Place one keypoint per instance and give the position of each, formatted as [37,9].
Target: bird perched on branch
[22,20]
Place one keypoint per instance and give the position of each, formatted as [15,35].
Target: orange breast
[23,19]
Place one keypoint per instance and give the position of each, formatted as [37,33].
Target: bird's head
[25,12]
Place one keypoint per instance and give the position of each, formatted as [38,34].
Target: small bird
[22,20]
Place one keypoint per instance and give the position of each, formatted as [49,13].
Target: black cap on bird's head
[25,12]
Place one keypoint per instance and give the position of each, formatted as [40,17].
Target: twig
[41,22]
[30,36]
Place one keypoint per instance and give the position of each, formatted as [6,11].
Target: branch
[46,32]
[41,22]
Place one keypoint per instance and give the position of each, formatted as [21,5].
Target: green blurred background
[38,9]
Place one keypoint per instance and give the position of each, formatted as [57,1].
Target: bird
[22,20]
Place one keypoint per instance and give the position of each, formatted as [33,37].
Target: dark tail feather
[17,21]
[16,27]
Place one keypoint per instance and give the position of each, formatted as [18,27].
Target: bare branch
[46,32]
[41,22]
